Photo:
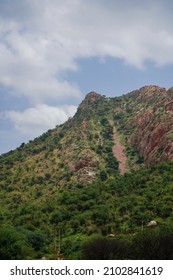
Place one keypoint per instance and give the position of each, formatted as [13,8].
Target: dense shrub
[14,245]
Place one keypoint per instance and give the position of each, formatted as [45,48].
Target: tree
[103,175]
[13,245]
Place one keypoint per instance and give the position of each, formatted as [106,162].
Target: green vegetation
[81,212]
[64,189]
[151,244]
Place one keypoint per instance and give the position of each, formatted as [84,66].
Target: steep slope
[146,121]
[153,136]
[77,151]
[72,153]
[89,175]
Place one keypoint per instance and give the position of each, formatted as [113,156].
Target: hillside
[105,170]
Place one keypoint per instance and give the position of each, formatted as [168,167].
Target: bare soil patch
[119,152]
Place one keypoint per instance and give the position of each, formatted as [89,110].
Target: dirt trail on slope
[119,152]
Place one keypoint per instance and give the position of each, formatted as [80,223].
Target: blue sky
[54,52]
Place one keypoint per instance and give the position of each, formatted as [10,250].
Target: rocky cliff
[152,123]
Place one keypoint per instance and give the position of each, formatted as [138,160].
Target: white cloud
[34,121]
[39,46]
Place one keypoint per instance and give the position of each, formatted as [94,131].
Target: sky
[53,52]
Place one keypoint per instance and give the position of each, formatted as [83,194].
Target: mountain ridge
[144,116]
[104,171]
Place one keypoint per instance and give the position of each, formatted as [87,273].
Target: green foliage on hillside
[150,244]
[118,205]
[66,183]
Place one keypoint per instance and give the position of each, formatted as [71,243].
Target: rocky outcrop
[85,162]
[89,100]
[153,125]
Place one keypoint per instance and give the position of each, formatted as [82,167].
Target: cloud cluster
[34,121]
[39,46]
[41,40]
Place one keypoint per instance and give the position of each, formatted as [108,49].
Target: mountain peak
[92,95]
[89,99]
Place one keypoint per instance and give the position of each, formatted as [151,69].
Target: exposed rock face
[90,98]
[154,125]
[147,115]
[85,162]
[152,224]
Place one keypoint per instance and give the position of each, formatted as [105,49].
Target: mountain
[104,170]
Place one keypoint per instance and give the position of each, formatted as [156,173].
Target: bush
[153,245]
[102,248]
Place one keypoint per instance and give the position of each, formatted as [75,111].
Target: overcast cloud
[40,40]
